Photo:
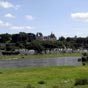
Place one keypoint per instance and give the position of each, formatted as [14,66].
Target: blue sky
[62,17]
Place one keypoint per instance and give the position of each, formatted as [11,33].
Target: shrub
[84,63]
[22,57]
[84,59]
[10,53]
[84,54]
[41,82]
[1,72]
[81,81]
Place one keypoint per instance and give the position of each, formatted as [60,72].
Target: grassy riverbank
[43,77]
[39,56]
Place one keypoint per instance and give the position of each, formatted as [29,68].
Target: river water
[61,61]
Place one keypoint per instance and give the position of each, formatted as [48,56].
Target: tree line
[24,40]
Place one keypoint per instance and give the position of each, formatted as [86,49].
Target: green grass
[51,77]
[39,56]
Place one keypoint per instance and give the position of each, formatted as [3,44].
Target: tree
[31,37]
[15,38]
[62,38]
[19,45]
[49,45]
[10,47]
[4,38]
[37,45]
[23,37]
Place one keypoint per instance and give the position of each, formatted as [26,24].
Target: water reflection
[62,61]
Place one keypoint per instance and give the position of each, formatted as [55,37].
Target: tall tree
[5,38]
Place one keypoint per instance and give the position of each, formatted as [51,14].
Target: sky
[66,18]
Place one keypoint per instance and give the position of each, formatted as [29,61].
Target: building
[51,37]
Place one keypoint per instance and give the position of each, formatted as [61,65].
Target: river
[60,61]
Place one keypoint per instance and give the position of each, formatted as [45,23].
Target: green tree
[4,38]
[31,37]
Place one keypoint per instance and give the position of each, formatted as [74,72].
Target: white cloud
[8,5]
[4,24]
[29,17]
[21,27]
[80,16]
[10,26]
[9,15]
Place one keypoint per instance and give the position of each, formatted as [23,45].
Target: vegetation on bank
[45,77]
[10,57]
[22,40]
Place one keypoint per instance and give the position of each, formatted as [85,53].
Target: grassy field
[43,77]
[39,56]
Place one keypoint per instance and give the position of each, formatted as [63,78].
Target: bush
[85,57]
[22,57]
[81,81]
[1,72]
[84,63]
[10,53]
[84,54]
[41,82]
